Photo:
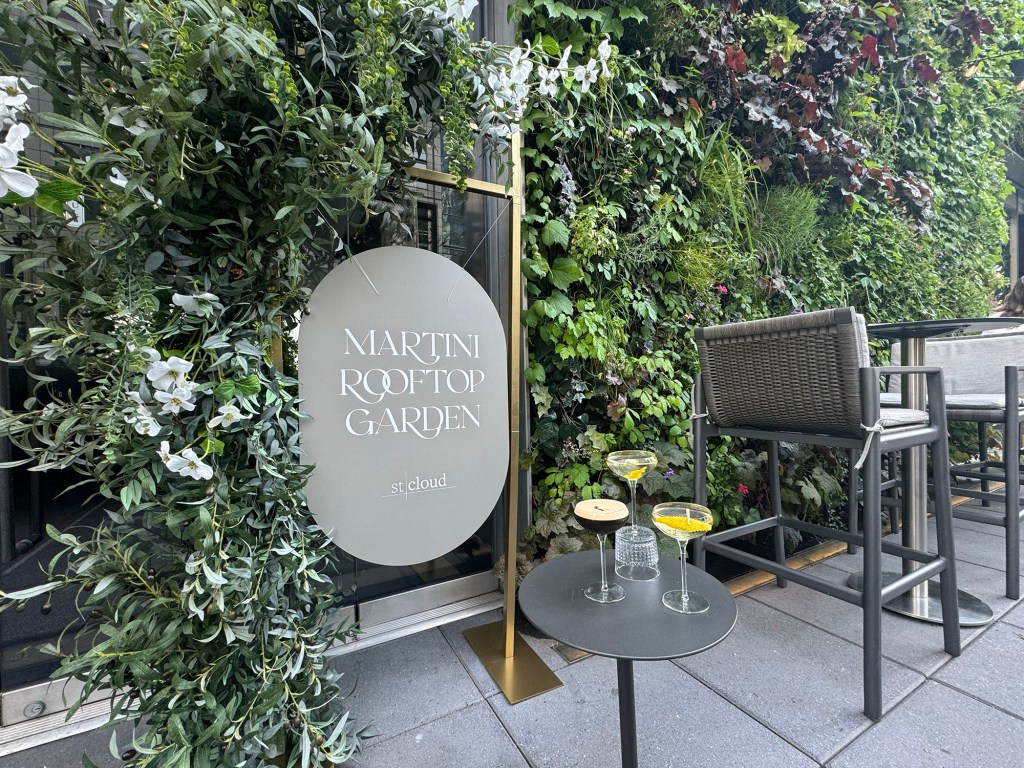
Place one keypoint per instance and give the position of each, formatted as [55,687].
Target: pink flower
[689,316]
[743,489]
[721,289]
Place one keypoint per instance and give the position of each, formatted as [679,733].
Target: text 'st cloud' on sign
[403,371]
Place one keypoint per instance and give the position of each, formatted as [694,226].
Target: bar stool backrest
[798,373]
[971,365]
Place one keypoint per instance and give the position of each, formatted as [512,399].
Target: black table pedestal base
[627,713]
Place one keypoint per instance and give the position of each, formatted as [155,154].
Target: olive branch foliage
[216,145]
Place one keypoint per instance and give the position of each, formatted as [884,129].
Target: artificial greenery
[748,160]
[215,144]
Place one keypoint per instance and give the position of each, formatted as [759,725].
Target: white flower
[586,75]
[147,426]
[134,130]
[548,84]
[150,354]
[522,66]
[11,180]
[176,400]
[144,422]
[604,52]
[187,464]
[169,374]
[459,10]
[194,304]
[563,63]
[16,136]
[227,415]
[117,178]
[13,96]
[164,452]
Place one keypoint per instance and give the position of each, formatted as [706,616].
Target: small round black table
[638,628]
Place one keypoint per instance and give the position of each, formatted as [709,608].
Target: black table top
[923,329]
[638,627]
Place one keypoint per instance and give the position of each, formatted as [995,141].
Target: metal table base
[923,602]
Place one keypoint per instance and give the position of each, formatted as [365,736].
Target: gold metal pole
[515,303]
[514,665]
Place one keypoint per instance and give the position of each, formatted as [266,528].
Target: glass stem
[632,502]
[684,597]
[604,579]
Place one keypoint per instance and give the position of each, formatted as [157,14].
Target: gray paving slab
[481,677]
[1016,616]
[804,683]
[973,546]
[938,727]
[915,644]
[680,723]
[67,753]
[992,669]
[992,530]
[469,738]
[406,683]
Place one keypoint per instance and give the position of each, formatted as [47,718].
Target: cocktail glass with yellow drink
[683,521]
[602,516]
[636,548]
[631,466]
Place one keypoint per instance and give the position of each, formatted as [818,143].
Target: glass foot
[612,594]
[694,603]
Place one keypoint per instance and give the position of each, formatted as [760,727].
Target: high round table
[922,602]
[637,628]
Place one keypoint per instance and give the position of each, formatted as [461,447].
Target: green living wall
[732,161]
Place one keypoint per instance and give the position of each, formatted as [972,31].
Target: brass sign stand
[515,666]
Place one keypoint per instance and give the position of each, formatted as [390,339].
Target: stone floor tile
[802,682]
[974,546]
[67,753]
[992,669]
[406,683]
[992,530]
[453,634]
[680,723]
[938,727]
[915,644]
[1016,616]
[468,738]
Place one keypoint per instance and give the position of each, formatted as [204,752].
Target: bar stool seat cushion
[902,417]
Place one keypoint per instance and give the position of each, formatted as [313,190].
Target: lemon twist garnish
[636,474]
[683,523]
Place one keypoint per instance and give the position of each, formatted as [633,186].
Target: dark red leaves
[735,59]
[925,71]
[970,25]
[869,51]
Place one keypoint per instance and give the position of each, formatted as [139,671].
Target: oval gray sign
[403,371]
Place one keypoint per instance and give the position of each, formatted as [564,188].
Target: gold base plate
[521,677]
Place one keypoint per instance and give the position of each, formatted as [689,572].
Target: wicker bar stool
[805,379]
